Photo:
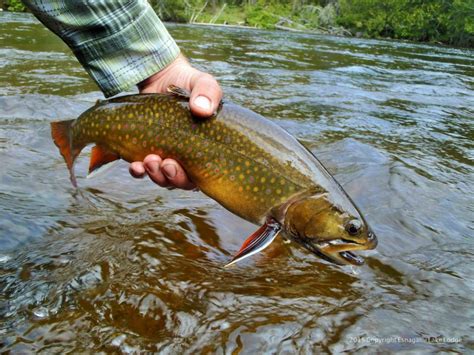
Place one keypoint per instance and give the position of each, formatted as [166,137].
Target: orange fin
[258,241]
[101,156]
[61,133]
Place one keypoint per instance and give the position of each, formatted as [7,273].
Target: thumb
[206,94]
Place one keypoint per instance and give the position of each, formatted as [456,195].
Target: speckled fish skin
[247,173]
[245,162]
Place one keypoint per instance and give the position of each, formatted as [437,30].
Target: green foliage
[176,10]
[449,21]
[266,14]
[15,5]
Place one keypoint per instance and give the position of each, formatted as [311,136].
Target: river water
[121,265]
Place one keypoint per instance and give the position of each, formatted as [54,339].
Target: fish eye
[354,227]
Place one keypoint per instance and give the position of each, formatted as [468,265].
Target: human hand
[206,95]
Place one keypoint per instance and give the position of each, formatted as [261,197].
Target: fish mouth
[339,251]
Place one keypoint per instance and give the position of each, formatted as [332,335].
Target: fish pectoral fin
[175,90]
[258,241]
[100,157]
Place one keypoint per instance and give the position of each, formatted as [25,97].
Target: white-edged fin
[102,169]
[258,241]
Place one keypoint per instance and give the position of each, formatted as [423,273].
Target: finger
[176,175]
[152,166]
[137,170]
[206,94]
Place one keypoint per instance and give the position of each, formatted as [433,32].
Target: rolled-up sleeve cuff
[123,59]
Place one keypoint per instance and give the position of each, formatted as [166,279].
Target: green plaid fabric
[119,43]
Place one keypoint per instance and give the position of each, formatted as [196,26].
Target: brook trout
[248,164]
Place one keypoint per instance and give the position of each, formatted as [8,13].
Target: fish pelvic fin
[61,133]
[100,157]
[258,241]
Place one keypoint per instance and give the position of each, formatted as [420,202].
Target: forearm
[119,43]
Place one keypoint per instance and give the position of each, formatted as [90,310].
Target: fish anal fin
[258,240]
[101,156]
[175,90]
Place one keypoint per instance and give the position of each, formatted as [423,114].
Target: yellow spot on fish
[247,163]
[278,191]
[255,189]
[262,180]
[241,189]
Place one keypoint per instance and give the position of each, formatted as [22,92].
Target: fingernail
[152,167]
[170,171]
[203,102]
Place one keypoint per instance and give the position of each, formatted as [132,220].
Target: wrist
[159,82]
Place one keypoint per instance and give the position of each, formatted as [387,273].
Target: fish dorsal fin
[258,241]
[100,156]
[175,90]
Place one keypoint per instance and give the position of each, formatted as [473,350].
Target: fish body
[245,162]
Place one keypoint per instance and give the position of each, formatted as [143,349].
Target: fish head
[329,230]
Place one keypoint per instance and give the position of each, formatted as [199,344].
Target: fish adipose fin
[100,161]
[173,89]
[258,241]
[61,133]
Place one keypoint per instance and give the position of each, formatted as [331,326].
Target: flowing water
[121,265]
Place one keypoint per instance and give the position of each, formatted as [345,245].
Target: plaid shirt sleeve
[120,43]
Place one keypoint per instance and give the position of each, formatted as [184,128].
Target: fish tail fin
[61,133]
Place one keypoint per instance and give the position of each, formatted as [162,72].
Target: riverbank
[437,21]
